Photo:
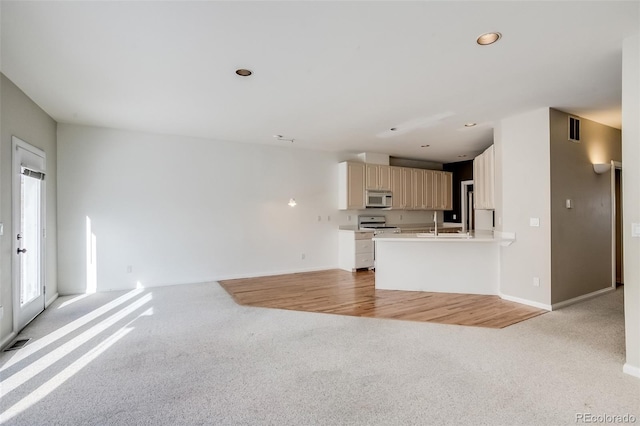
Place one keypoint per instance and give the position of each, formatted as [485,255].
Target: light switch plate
[635,230]
[1,228]
[568,203]
[534,221]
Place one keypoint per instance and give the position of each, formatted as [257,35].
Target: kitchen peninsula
[457,263]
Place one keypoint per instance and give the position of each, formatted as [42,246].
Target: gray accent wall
[21,117]
[580,236]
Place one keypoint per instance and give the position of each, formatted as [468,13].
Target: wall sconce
[601,168]
[292,202]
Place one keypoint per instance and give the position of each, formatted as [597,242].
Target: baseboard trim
[631,370]
[582,298]
[271,273]
[526,302]
[50,301]
[5,342]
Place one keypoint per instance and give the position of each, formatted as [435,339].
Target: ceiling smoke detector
[488,38]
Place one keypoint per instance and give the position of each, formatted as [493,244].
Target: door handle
[22,251]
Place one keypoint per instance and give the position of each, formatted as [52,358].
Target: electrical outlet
[400,217]
[303,256]
[455,216]
[328,218]
[1,312]
[319,218]
[348,218]
[129,269]
[536,281]
[534,221]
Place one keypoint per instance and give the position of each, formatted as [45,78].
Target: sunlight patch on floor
[43,342]
[41,364]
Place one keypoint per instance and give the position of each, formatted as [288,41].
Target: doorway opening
[617,273]
[28,205]
[466,205]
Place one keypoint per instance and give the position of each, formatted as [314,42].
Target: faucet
[435,223]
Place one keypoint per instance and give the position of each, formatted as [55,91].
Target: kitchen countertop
[504,239]
[352,228]
[413,227]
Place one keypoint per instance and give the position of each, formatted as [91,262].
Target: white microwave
[378,199]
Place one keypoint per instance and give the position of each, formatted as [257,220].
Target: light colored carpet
[190,355]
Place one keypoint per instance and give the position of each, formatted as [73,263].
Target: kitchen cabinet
[484,180]
[378,177]
[442,190]
[412,189]
[351,189]
[429,176]
[355,250]
[397,186]
[407,190]
[419,191]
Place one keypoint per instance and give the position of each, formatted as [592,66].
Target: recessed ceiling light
[470,124]
[488,38]
[425,146]
[243,72]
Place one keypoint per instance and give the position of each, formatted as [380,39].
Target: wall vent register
[574,129]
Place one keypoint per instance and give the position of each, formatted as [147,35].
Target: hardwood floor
[345,293]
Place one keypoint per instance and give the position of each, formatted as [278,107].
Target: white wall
[182,210]
[631,197]
[21,117]
[523,192]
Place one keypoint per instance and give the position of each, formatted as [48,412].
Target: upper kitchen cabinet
[484,180]
[351,189]
[419,192]
[378,177]
[407,189]
[442,190]
[397,188]
[429,189]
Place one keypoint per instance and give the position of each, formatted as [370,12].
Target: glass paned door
[29,250]
[29,205]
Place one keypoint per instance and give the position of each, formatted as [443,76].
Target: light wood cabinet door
[484,180]
[437,190]
[478,183]
[429,193]
[417,180]
[378,177]
[351,181]
[384,178]
[397,188]
[489,178]
[355,189]
[372,176]
[407,190]
[447,191]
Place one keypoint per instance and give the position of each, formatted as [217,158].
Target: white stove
[377,224]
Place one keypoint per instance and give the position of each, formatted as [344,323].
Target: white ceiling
[333,75]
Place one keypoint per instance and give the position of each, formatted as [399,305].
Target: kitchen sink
[444,235]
